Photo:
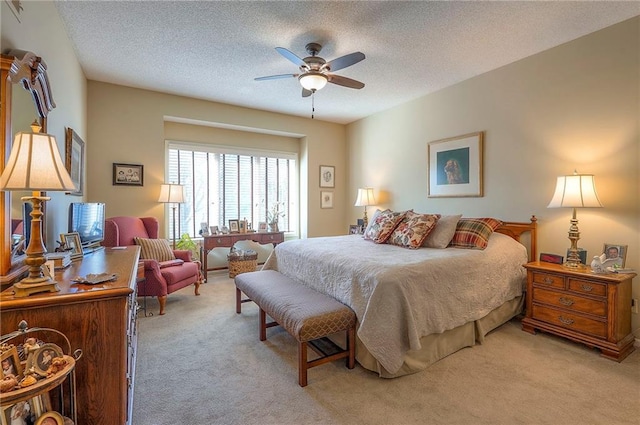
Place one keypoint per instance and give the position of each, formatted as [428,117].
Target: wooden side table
[594,309]
[227,241]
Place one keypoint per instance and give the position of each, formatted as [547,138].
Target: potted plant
[185,242]
[274,215]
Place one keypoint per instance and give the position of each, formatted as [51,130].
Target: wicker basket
[242,262]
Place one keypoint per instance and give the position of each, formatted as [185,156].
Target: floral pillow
[382,225]
[413,230]
[474,233]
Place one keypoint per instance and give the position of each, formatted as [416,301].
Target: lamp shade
[575,191]
[313,80]
[365,197]
[35,164]
[171,193]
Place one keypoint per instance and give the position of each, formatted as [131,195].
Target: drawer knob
[548,280]
[586,287]
[565,320]
[566,301]
[219,240]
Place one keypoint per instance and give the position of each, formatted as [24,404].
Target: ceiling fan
[315,72]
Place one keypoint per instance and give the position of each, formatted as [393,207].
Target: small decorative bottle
[596,265]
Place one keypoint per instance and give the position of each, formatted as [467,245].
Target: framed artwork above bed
[455,166]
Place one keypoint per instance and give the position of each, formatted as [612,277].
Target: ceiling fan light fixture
[313,80]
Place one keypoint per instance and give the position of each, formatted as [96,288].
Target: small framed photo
[72,242]
[128,174]
[326,199]
[21,412]
[204,229]
[327,176]
[234,226]
[615,253]
[354,229]
[262,227]
[243,226]
[50,418]
[214,230]
[43,356]
[11,363]
[455,166]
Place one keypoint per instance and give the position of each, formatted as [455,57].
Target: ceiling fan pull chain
[313,107]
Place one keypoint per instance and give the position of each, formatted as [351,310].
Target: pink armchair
[161,278]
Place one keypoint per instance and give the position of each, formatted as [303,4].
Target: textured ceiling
[213,50]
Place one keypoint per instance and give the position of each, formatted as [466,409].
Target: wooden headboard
[516,229]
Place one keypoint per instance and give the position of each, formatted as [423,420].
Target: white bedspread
[400,295]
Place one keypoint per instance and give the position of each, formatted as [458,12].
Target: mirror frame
[30,71]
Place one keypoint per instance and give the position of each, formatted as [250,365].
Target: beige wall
[41,31]
[128,126]
[572,107]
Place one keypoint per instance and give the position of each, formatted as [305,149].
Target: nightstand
[594,309]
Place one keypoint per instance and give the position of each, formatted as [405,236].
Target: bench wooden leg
[263,325]
[351,346]
[302,364]
[238,301]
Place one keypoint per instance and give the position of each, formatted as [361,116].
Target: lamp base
[29,285]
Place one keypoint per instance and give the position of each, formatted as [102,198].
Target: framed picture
[50,418]
[214,230]
[128,174]
[74,160]
[262,227]
[72,242]
[326,199]
[327,176]
[11,363]
[455,166]
[18,413]
[243,226]
[234,226]
[354,229]
[43,356]
[204,229]
[615,253]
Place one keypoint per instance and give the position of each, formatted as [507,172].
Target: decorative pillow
[413,230]
[474,233]
[383,225]
[371,221]
[155,249]
[441,235]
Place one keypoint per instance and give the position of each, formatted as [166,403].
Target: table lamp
[172,194]
[364,199]
[575,191]
[35,164]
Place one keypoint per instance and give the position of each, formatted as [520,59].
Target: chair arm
[183,254]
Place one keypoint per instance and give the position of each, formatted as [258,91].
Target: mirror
[22,73]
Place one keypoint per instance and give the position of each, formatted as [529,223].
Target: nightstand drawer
[570,302]
[549,280]
[587,287]
[570,321]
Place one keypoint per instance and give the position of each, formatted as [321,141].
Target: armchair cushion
[155,249]
[171,263]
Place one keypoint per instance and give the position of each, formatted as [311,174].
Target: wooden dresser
[594,309]
[98,319]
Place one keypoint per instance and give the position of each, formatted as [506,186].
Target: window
[223,183]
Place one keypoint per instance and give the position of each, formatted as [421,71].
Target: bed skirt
[438,346]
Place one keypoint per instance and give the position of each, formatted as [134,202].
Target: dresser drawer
[570,301]
[550,280]
[587,287]
[570,320]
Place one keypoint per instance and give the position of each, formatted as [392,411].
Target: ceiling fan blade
[306,93]
[275,77]
[345,61]
[345,82]
[291,56]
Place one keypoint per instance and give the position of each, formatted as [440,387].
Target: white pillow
[443,233]
[371,221]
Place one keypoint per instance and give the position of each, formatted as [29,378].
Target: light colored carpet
[201,363]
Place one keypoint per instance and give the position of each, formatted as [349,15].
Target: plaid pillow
[474,233]
[413,230]
[382,226]
[155,249]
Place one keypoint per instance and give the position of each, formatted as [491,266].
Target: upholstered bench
[307,315]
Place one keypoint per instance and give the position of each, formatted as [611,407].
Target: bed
[414,306]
